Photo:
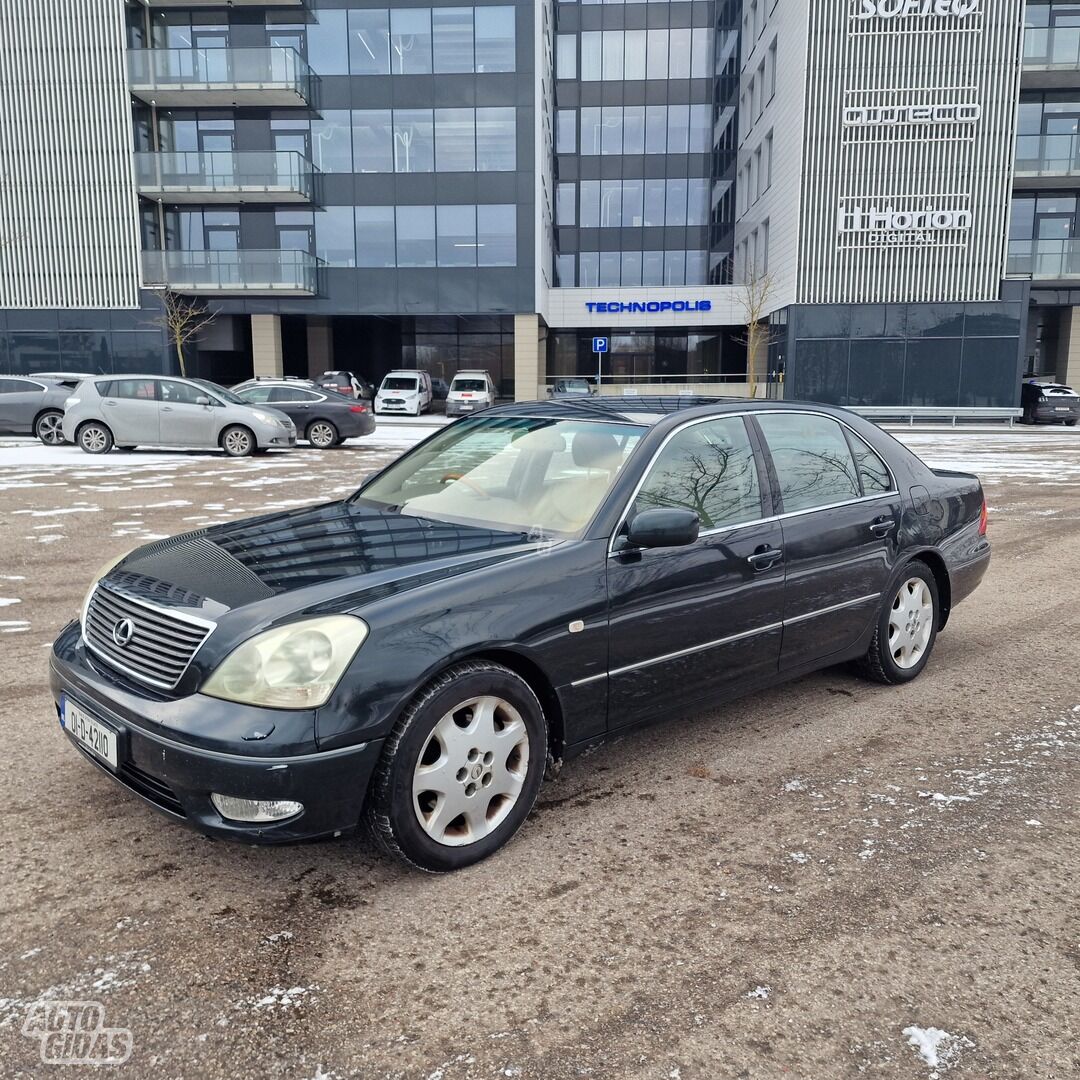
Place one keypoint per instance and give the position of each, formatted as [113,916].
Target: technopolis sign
[618,307]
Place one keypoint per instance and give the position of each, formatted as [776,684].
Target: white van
[404,392]
[470,391]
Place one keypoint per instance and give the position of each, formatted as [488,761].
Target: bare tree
[758,334]
[182,318]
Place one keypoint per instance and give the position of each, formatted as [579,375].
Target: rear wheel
[322,434]
[237,441]
[1070,423]
[48,427]
[94,437]
[907,628]
[461,770]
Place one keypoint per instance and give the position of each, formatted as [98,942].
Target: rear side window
[812,459]
[873,472]
[256,394]
[708,468]
[288,393]
[140,389]
[12,386]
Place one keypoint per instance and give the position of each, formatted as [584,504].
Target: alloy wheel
[471,771]
[321,435]
[93,439]
[238,443]
[911,623]
[50,430]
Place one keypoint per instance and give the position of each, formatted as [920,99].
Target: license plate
[98,738]
[1062,408]
[466,407]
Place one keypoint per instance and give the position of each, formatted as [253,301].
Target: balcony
[232,273]
[1045,160]
[1051,56]
[222,176]
[1044,260]
[196,77]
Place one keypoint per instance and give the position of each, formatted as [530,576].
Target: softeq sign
[894,9]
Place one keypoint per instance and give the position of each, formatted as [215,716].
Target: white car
[470,391]
[406,392]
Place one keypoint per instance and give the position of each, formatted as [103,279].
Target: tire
[907,628]
[341,440]
[94,437]
[408,821]
[238,441]
[47,427]
[1070,423]
[322,434]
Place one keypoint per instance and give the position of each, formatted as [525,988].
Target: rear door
[184,422]
[840,514]
[20,401]
[695,622]
[131,411]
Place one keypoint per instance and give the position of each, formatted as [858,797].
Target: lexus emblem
[123,631]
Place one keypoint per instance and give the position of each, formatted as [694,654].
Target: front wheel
[461,769]
[906,630]
[94,438]
[48,428]
[1070,423]
[322,434]
[237,441]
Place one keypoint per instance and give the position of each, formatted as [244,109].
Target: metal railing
[937,414]
[248,172]
[1047,48]
[232,271]
[153,70]
[1050,260]
[1047,155]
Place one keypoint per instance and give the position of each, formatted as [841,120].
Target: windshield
[398,382]
[574,386]
[541,476]
[473,385]
[225,395]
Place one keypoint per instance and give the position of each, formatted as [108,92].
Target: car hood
[342,553]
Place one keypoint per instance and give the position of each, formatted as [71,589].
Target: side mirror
[661,528]
[201,400]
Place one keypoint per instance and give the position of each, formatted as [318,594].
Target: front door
[184,421]
[691,623]
[841,516]
[131,411]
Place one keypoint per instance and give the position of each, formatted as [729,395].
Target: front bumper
[275,437]
[459,408]
[177,778]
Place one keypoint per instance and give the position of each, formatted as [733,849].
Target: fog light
[228,806]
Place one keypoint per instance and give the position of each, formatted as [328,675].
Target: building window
[369,42]
[375,236]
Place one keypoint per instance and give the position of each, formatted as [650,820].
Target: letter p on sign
[599,344]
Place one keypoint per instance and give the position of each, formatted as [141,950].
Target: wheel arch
[42,411]
[934,560]
[235,424]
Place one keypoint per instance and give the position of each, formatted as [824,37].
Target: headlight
[94,583]
[292,667]
[266,418]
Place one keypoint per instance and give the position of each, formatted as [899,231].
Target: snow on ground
[1048,457]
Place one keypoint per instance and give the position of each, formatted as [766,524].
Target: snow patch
[937,1048]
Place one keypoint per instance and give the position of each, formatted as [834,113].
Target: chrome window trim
[753,521]
[194,620]
[727,640]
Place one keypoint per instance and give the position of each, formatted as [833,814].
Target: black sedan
[34,406]
[323,417]
[518,587]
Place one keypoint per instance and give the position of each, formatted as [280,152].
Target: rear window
[399,382]
[1057,391]
[472,385]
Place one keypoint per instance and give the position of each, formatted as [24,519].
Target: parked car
[72,377]
[259,380]
[147,410]
[1049,403]
[33,406]
[470,391]
[347,383]
[404,392]
[324,418]
[440,389]
[571,388]
[518,587]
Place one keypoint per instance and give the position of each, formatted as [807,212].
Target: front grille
[159,649]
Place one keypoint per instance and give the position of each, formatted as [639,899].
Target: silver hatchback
[150,410]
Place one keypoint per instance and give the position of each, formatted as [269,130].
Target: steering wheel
[452,477]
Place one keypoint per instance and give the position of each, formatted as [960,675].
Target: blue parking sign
[599,344]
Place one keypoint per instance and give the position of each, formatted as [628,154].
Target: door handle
[166,408]
[111,404]
[764,558]
[882,527]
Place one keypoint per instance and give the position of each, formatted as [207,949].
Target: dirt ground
[777,890]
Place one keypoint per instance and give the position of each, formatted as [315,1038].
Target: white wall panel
[908,149]
[68,209]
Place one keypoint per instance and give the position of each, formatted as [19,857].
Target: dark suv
[1049,403]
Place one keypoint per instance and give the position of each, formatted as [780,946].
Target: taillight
[357,408]
[983,520]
